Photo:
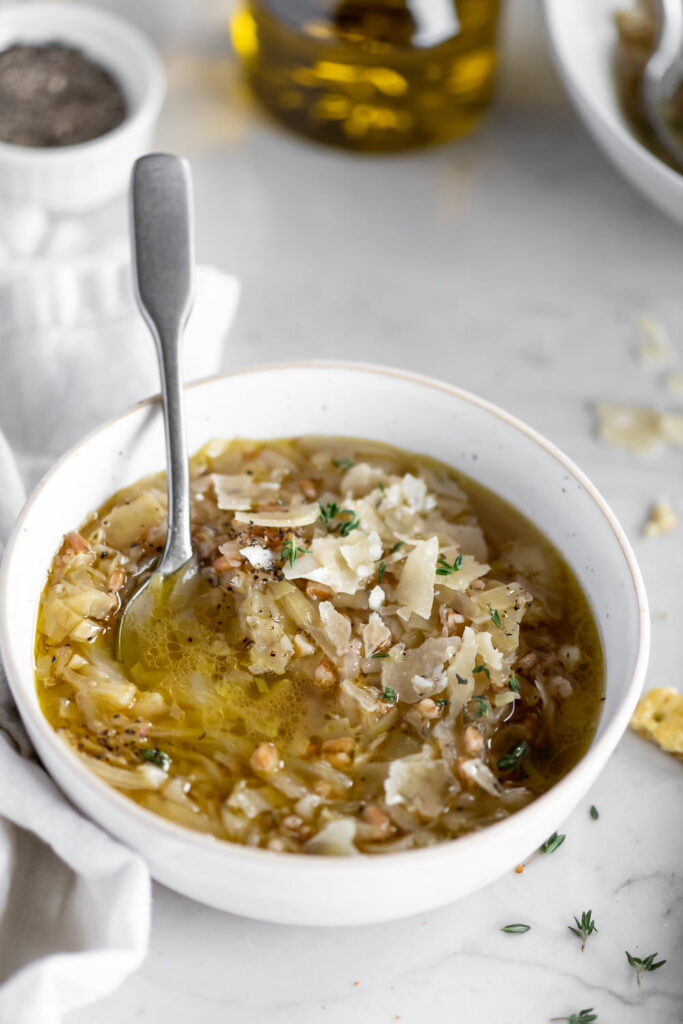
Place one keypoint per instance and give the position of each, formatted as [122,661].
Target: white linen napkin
[74,903]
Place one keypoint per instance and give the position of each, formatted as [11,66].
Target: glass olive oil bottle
[371,74]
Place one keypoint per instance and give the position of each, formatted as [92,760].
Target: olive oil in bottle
[371,74]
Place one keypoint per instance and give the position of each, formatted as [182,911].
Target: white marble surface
[514,264]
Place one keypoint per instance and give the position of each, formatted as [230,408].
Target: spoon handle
[163,261]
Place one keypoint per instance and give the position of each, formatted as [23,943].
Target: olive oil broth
[228,724]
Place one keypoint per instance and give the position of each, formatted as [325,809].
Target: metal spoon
[163,261]
[663,74]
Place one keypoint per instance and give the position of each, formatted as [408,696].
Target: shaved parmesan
[240,491]
[335,839]
[301,515]
[639,430]
[420,782]
[419,672]
[336,625]
[342,563]
[416,586]
[260,558]
[375,635]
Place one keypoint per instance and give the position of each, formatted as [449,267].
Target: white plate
[371,402]
[582,37]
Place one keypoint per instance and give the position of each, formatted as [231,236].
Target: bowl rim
[147,108]
[205,844]
[613,125]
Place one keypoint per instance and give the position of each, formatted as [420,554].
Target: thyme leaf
[516,929]
[342,463]
[594,812]
[641,965]
[495,617]
[444,568]
[514,757]
[552,844]
[397,545]
[382,570]
[155,756]
[291,551]
[483,706]
[388,695]
[513,683]
[481,668]
[379,654]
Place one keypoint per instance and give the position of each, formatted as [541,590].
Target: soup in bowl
[401,660]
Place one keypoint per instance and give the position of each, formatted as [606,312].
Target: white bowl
[402,409]
[79,177]
[582,37]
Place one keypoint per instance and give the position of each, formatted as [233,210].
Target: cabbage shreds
[368,657]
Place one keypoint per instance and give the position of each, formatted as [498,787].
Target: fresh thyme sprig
[641,965]
[549,846]
[291,551]
[331,511]
[444,568]
[481,668]
[582,1017]
[584,927]
[342,463]
[513,683]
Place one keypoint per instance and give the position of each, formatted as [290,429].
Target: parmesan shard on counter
[659,718]
[662,519]
[638,429]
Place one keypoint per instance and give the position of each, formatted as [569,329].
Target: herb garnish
[481,668]
[155,756]
[382,570]
[594,812]
[444,568]
[585,927]
[328,511]
[379,654]
[397,545]
[495,617]
[342,463]
[483,706]
[291,551]
[582,1017]
[332,511]
[516,929]
[645,964]
[388,695]
[441,702]
[514,757]
[552,844]
[513,683]
[379,501]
